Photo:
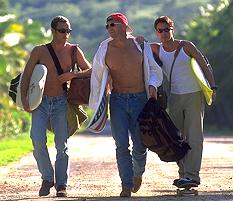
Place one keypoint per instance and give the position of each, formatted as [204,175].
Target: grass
[13,148]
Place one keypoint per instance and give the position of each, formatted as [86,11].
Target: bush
[13,122]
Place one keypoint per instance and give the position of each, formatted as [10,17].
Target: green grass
[12,149]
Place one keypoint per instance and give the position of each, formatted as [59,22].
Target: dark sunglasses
[164,30]
[64,30]
[111,24]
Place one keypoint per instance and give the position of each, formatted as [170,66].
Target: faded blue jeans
[52,110]
[124,111]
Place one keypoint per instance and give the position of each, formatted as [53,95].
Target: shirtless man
[53,106]
[132,83]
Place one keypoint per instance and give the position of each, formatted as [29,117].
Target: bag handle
[180,45]
[57,63]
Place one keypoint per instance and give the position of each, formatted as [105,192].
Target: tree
[16,40]
[213,32]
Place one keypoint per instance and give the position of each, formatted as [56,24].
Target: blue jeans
[52,110]
[124,111]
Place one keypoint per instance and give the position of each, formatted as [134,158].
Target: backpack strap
[57,63]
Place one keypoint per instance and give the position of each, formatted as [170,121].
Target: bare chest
[123,57]
[64,58]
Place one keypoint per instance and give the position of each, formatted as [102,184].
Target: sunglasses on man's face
[113,24]
[164,30]
[64,30]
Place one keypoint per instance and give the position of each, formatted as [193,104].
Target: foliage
[16,40]
[88,17]
[12,122]
[3,7]
[213,32]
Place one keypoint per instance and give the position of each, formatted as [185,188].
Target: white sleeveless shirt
[182,80]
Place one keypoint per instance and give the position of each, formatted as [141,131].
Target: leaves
[213,32]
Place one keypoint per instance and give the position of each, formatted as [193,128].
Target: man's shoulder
[39,48]
[72,45]
[155,45]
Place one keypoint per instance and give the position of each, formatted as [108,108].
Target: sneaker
[126,192]
[183,182]
[45,187]
[61,191]
[137,182]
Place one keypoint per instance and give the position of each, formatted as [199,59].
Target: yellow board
[203,83]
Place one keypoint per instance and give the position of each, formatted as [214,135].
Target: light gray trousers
[187,113]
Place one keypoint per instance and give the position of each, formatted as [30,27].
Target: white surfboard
[98,120]
[36,87]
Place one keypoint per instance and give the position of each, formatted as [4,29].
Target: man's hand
[140,39]
[64,77]
[153,92]
[26,106]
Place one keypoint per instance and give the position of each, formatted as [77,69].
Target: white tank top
[182,80]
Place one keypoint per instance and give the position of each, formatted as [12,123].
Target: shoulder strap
[180,45]
[55,59]
[74,57]
[56,62]
[157,59]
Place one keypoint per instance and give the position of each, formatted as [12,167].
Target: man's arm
[155,48]
[195,53]
[26,76]
[82,63]
[156,75]
[191,49]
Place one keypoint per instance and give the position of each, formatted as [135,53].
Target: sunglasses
[113,24]
[164,30]
[64,30]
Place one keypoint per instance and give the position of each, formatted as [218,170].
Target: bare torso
[53,87]
[125,64]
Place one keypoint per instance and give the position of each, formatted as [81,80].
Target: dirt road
[94,176]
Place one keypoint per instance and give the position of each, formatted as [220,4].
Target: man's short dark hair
[164,19]
[57,19]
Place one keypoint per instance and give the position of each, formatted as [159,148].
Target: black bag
[162,95]
[159,134]
[12,92]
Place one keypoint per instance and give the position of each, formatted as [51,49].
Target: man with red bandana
[134,77]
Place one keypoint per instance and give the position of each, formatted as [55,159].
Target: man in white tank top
[186,103]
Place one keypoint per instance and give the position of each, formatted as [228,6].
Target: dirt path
[94,176]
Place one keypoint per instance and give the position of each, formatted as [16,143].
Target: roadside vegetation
[13,148]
